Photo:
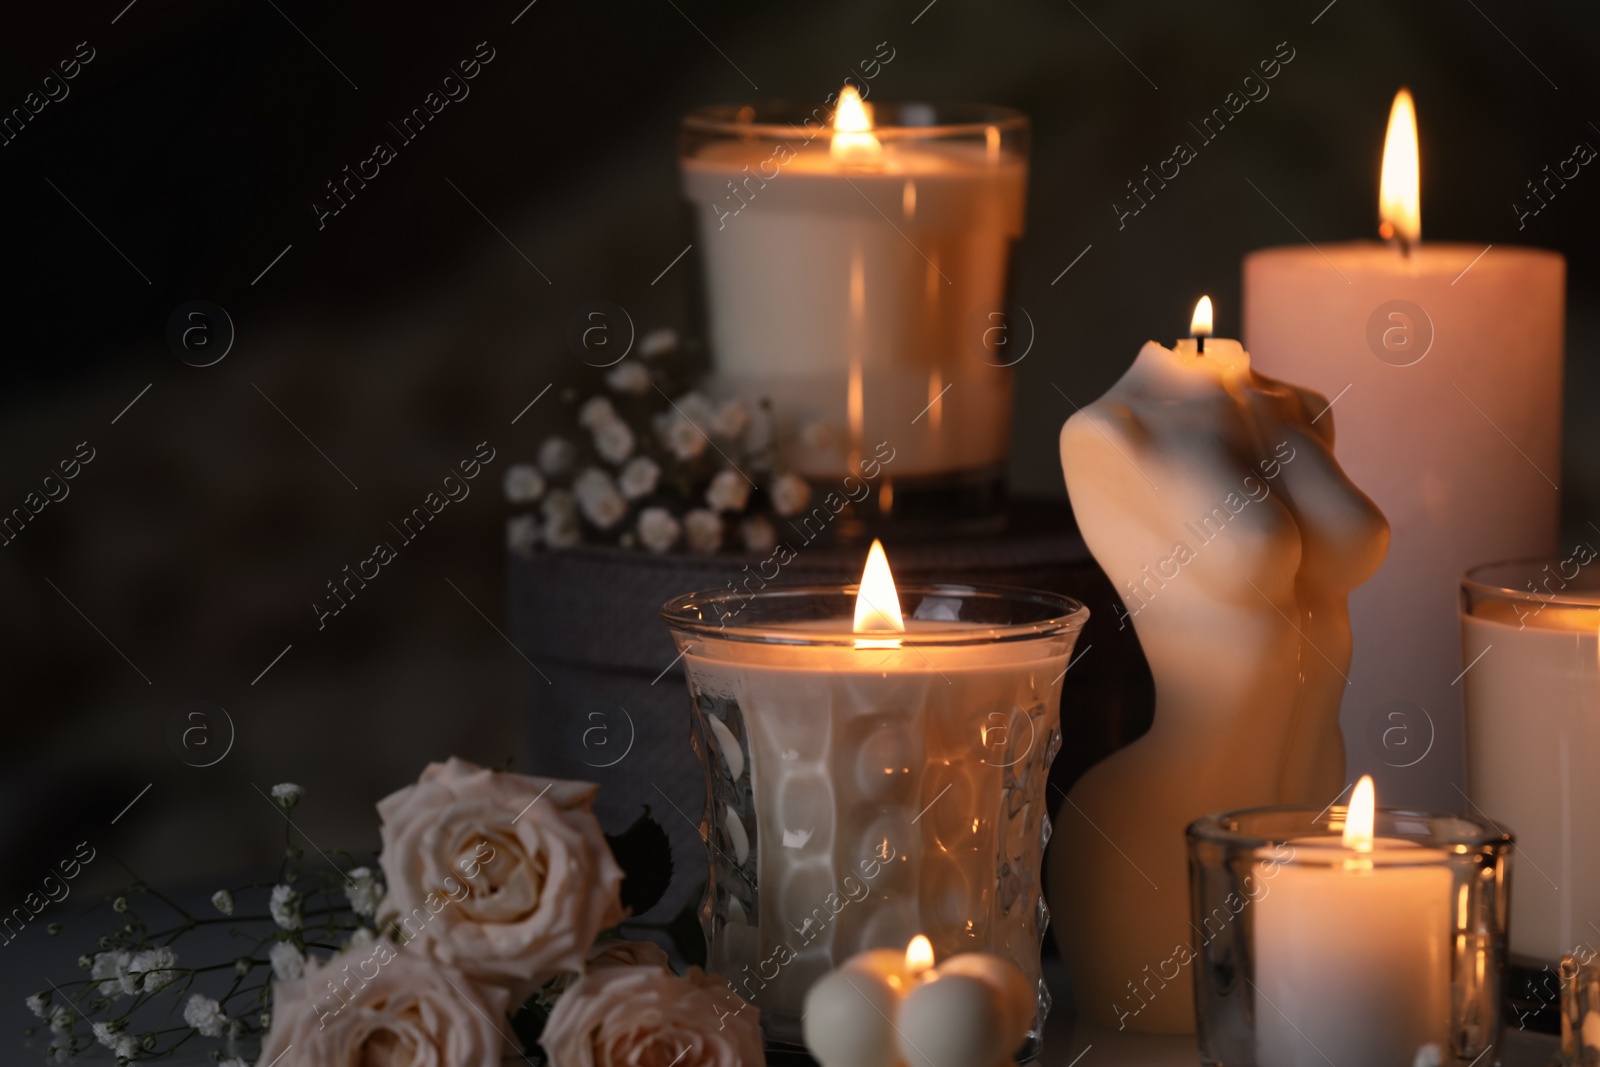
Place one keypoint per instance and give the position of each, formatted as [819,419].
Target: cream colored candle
[874,778]
[1210,497]
[848,274]
[1352,952]
[1533,740]
[1442,363]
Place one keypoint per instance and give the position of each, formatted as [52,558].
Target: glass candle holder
[861,790]
[858,280]
[1306,952]
[1532,695]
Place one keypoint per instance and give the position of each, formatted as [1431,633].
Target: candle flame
[877,601]
[852,123]
[1200,323]
[1399,192]
[919,956]
[1359,818]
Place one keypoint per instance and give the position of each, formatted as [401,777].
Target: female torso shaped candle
[1445,362]
[1210,497]
[849,270]
[868,783]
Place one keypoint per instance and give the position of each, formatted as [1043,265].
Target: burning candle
[885,1008]
[855,265]
[1442,363]
[876,759]
[1209,495]
[1353,950]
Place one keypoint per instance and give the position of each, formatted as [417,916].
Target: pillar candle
[1442,363]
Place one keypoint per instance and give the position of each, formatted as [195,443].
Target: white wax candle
[1533,741]
[1352,963]
[1444,367]
[843,290]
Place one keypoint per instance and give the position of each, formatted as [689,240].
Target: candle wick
[1405,245]
[1200,345]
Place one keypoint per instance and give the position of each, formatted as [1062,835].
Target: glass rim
[686,614]
[1472,582]
[1214,828]
[976,120]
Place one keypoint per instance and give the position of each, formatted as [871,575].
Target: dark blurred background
[377,351]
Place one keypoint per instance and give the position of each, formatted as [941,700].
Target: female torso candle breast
[1211,498]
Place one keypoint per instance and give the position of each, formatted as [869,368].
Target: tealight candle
[889,1009]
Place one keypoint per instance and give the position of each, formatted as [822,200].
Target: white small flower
[790,494]
[596,412]
[639,477]
[728,491]
[683,439]
[359,937]
[599,499]
[38,1003]
[285,907]
[61,1021]
[658,530]
[522,534]
[523,483]
[156,966]
[703,530]
[111,969]
[658,342]
[556,456]
[288,962]
[125,1047]
[629,378]
[559,502]
[732,418]
[287,793]
[614,441]
[364,890]
[697,408]
[758,534]
[562,530]
[106,1034]
[222,900]
[205,1015]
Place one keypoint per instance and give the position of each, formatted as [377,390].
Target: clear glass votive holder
[859,281]
[1530,649]
[863,789]
[1306,952]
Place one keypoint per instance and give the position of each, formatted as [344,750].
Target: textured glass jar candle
[863,292]
[1307,952]
[862,789]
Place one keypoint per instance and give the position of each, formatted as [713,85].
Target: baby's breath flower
[202,1013]
[288,794]
[222,900]
[285,906]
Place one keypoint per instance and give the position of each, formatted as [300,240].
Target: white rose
[759,535]
[790,494]
[556,456]
[504,876]
[703,530]
[629,378]
[658,530]
[288,962]
[639,477]
[523,483]
[614,441]
[382,1004]
[596,412]
[728,491]
[599,499]
[658,342]
[622,1016]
